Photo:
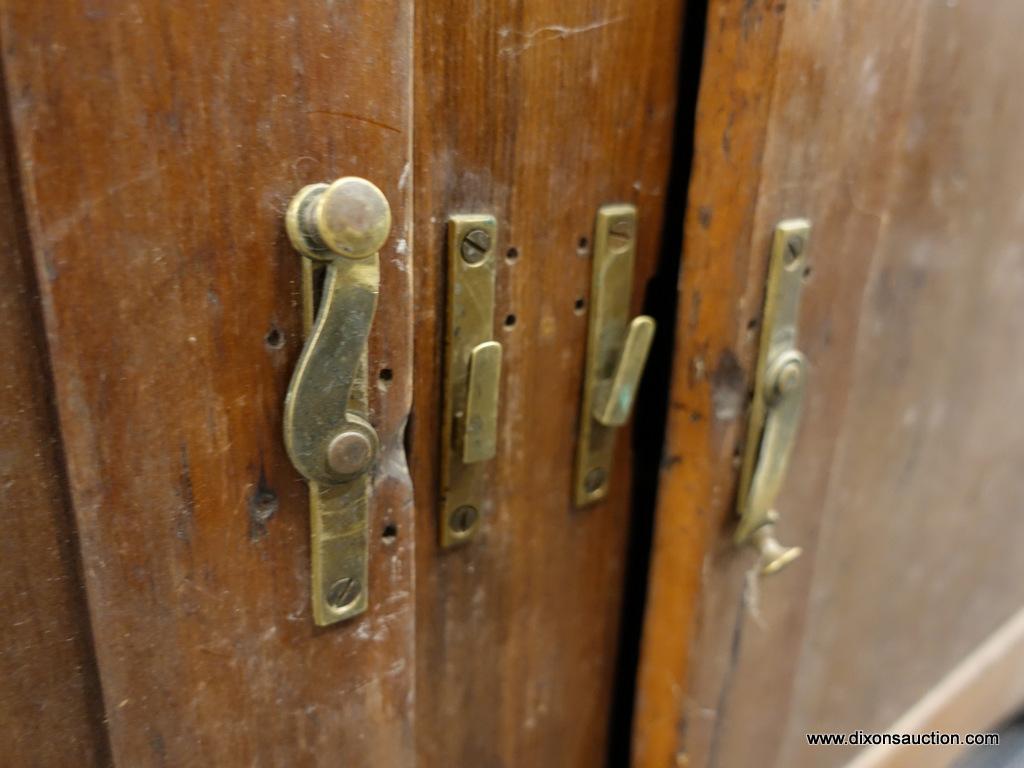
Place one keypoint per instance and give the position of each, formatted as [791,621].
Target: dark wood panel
[891,128]
[51,712]
[537,112]
[158,145]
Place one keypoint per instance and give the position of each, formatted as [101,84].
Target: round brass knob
[350,218]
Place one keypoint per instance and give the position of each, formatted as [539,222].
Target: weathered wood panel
[158,145]
[51,712]
[537,112]
[894,129]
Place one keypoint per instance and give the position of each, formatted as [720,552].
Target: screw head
[463,518]
[475,246]
[594,480]
[794,247]
[343,592]
[620,234]
[352,217]
[789,377]
[351,452]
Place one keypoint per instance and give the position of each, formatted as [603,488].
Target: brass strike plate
[617,350]
[472,377]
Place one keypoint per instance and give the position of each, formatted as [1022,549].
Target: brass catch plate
[617,349]
[472,377]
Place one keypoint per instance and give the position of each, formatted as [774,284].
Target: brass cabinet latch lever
[779,386]
[339,229]
[617,350]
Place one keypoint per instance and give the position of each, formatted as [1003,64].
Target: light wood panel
[537,112]
[893,128]
[158,145]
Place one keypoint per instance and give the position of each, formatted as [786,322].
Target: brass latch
[472,377]
[338,228]
[779,387]
[617,350]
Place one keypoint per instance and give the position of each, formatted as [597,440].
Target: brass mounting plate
[616,350]
[472,375]
[339,534]
[779,382]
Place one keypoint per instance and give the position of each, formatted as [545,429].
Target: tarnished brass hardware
[338,228]
[779,386]
[472,377]
[480,434]
[617,350]
[613,398]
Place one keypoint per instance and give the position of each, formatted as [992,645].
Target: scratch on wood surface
[552,32]
[351,116]
[56,231]
[721,706]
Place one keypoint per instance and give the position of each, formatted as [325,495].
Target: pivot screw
[475,246]
[788,377]
[350,453]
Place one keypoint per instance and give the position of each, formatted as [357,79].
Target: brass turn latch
[338,228]
[779,386]
[469,426]
[617,349]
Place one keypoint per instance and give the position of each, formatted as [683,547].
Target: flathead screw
[475,246]
[343,592]
[620,233]
[595,480]
[463,518]
[794,247]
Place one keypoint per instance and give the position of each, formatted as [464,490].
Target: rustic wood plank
[881,130]
[158,145]
[51,711]
[537,112]
[718,294]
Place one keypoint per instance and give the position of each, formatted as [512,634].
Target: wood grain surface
[894,129]
[157,146]
[536,112]
[51,712]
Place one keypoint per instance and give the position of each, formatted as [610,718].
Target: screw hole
[264,506]
[389,534]
[807,272]
[274,338]
[510,321]
[582,246]
[512,254]
[579,305]
[386,374]
[752,324]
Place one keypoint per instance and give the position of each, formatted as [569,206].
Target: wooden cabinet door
[894,128]
[153,148]
[156,147]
